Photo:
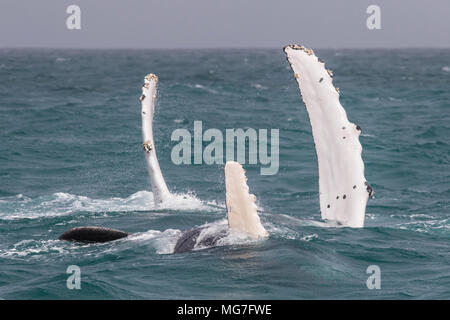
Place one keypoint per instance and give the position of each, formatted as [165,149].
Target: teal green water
[70,155]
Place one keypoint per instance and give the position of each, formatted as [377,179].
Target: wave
[27,248]
[280,226]
[200,88]
[160,242]
[164,242]
[258,86]
[183,121]
[435,226]
[63,204]
[61,59]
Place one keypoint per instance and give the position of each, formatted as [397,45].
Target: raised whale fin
[241,207]
[160,191]
[343,189]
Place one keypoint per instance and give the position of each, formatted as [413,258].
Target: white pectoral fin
[160,191]
[343,189]
[241,208]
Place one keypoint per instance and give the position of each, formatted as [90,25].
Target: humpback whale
[242,217]
[241,208]
[242,214]
[343,189]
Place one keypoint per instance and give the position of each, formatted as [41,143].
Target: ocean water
[70,155]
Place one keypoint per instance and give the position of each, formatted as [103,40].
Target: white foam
[259,86]
[164,242]
[62,204]
[310,237]
[231,238]
[426,226]
[188,201]
[26,248]
[202,87]
[290,220]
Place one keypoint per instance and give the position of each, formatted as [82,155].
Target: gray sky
[224,23]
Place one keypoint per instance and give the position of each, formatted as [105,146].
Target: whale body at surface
[92,234]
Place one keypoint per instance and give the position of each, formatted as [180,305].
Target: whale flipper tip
[151,76]
[241,208]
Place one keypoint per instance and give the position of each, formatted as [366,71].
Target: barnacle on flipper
[294,46]
[330,72]
[369,190]
[151,77]
[297,47]
[147,146]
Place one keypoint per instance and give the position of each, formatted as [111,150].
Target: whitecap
[231,238]
[259,86]
[204,88]
[61,59]
[426,226]
[310,237]
[62,204]
[188,201]
[26,248]
[163,241]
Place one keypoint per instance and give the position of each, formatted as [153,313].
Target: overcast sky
[224,23]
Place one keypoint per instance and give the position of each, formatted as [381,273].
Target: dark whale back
[188,240]
[92,234]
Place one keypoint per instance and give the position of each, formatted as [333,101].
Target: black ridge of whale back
[188,240]
[92,234]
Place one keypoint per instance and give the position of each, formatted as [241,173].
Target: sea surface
[71,155]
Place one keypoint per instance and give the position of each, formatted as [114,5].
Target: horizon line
[219,48]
